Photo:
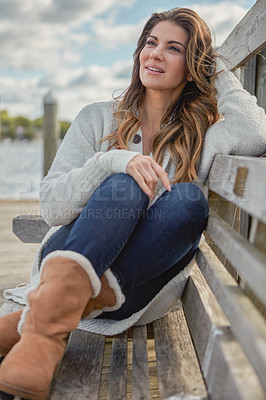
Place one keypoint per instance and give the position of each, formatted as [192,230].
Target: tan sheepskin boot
[109,299]
[9,331]
[55,306]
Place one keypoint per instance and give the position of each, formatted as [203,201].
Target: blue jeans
[144,248]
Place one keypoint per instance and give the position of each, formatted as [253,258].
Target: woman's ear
[189,78]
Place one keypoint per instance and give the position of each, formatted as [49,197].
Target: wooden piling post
[51,130]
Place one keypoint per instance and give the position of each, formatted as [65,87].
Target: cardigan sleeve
[78,168]
[242,130]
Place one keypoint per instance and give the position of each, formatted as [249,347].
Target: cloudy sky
[82,49]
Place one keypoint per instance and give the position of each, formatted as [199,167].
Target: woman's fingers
[142,184]
[151,178]
[162,175]
[146,173]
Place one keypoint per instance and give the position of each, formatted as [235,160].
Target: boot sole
[23,393]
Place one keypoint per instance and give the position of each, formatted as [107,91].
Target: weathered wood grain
[78,377]
[247,324]
[259,237]
[178,369]
[15,257]
[249,76]
[118,374]
[30,228]
[223,177]
[230,376]
[229,212]
[247,38]
[249,262]
[227,371]
[140,369]
[203,313]
[261,80]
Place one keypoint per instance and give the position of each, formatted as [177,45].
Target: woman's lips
[154,69]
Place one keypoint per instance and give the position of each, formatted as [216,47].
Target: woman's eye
[173,48]
[150,43]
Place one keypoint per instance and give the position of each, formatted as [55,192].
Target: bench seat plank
[247,324]
[140,369]
[118,373]
[248,261]
[30,228]
[79,374]
[178,369]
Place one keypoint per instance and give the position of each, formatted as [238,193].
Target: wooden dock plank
[15,257]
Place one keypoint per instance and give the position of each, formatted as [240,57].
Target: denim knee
[193,201]
[122,187]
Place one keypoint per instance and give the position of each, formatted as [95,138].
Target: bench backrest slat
[248,326]
[222,359]
[247,38]
[203,313]
[260,84]
[249,262]
[241,180]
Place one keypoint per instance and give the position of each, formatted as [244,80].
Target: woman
[123,187]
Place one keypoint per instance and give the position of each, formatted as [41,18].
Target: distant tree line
[23,128]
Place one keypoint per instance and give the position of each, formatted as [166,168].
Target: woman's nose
[157,53]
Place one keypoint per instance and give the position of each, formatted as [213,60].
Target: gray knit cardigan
[82,163]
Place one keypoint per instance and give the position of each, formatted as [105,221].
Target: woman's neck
[153,108]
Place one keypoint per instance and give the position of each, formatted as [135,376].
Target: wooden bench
[213,346]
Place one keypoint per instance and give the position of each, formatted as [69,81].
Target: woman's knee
[193,201]
[121,187]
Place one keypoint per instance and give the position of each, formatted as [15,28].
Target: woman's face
[163,59]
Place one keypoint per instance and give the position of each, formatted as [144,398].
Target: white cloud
[111,35]
[96,83]
[73,88]
[45,36]
[75,12]
[21,96]
[38,47]
[40,35]
[68,12]
[221,17]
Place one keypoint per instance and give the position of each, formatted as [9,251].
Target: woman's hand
[146,173]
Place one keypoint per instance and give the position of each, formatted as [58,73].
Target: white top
[136,146]
[82,163]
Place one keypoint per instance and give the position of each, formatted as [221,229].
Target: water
[21,166]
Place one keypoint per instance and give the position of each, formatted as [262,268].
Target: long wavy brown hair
[185,122]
